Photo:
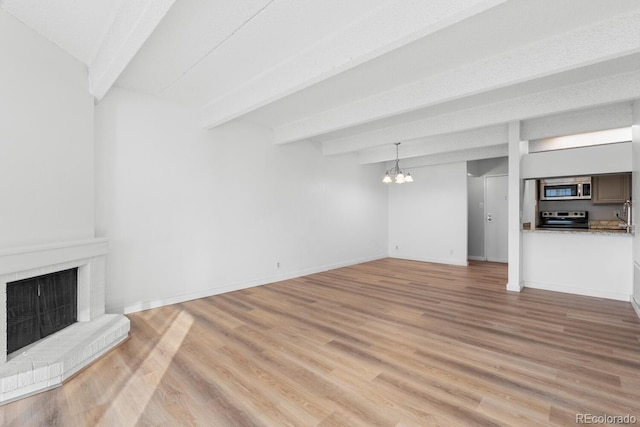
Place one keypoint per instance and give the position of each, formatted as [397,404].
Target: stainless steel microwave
[574,188]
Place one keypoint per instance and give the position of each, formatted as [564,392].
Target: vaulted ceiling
[444,77]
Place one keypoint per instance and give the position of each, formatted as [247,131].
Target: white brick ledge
[47,363]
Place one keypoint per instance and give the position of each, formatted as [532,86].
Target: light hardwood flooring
[384,343]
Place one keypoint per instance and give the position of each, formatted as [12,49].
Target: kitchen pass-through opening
[40,306]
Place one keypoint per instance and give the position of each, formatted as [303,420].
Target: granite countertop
[608,227]
[622,232]
[597,226]
[606,224]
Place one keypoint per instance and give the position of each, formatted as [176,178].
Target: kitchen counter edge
[574,231]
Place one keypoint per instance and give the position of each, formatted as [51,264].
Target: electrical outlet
[278,264]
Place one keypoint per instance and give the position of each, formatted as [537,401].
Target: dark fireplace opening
[39,306]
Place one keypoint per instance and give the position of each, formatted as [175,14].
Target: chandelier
[399,177]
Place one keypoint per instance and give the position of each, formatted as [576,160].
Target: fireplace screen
[39,306]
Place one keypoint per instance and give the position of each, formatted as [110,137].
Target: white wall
[489,167]
[579,263]
[46,141]
[428,217]
[191,213]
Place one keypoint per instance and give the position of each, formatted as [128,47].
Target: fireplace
[45,339]
[40,306]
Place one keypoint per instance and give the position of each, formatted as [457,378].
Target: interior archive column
[517,149]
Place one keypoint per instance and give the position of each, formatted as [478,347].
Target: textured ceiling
[77,26]
[443,76]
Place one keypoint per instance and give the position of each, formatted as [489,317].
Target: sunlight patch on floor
[132,400]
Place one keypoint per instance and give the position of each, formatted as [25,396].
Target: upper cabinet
[611,188]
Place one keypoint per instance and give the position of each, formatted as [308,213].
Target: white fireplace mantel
[31,257]
[48,362]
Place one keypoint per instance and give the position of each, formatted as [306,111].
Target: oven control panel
[564,214]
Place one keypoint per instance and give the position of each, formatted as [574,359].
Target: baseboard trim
[517,287]
[578,291]
[176,299]
[636,306]
[448,261]
[476,258]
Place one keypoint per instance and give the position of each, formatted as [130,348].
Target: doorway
[496,218]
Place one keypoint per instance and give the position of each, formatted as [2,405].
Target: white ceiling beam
[574,122]
[384,29]
[490,152]
[613,38]
[438,144]
[133,24]
[592,93]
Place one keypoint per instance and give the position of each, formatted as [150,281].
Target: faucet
[626,209]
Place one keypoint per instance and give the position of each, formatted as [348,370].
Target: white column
[517,149]
[635,144]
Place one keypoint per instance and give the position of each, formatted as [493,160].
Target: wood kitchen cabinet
[611,188]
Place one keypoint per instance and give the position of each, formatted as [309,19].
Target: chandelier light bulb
[386,179]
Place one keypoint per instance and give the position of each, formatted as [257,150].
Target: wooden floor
[385,343]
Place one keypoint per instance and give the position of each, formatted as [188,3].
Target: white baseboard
[578,291]
[448,261]
[476,258]
[146,305]
[515,287]
[636,305]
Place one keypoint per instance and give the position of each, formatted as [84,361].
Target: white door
[496,218]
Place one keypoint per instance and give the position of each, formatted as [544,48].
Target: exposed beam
[608,117]
[489,152]
[613,38]
[574,122]
[386,28]
[438,144]
[597,92]
[133,24]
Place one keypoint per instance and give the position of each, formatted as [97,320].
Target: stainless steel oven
[564,219]
[575,188]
